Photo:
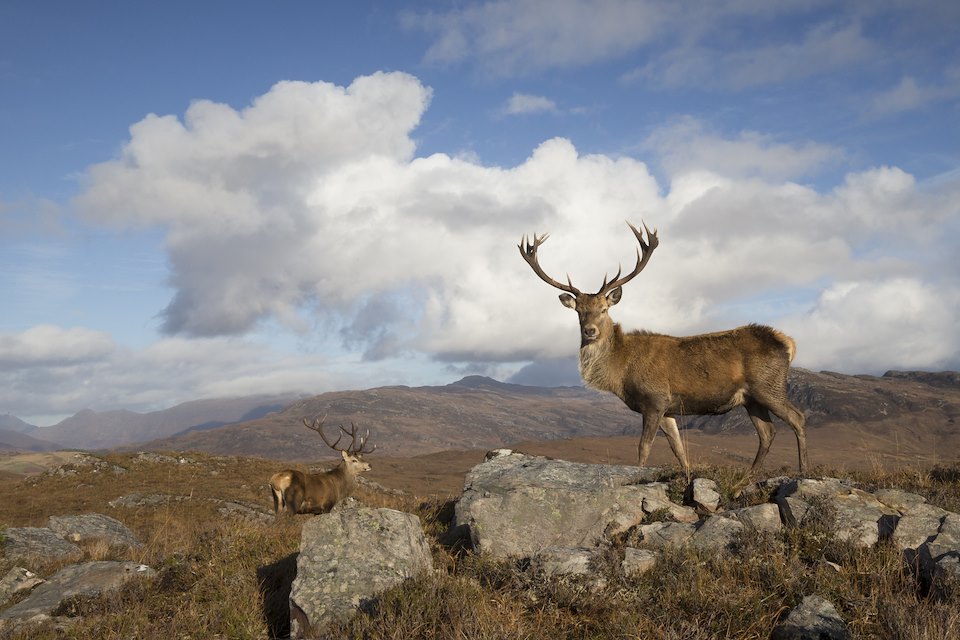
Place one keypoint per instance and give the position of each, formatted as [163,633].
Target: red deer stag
[299,492]
[663,376]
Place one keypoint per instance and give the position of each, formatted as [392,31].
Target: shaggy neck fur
[598,363]
[342,471]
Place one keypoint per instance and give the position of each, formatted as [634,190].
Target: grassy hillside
[228,577]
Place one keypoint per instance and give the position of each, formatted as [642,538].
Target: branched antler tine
[643,256]
[354,448]
[318,427]
[363,444]
[528,251]
[353,436]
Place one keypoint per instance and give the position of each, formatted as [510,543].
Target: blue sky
[222,198]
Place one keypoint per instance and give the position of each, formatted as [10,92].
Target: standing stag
[298,492]
[663,376]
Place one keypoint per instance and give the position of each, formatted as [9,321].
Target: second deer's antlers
[353,449]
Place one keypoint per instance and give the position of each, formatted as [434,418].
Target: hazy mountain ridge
[472,413]
[18,441]
[10,422]
[481,413]
[478,413]
[89,429]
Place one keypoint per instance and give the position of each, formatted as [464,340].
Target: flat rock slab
[88,579]
[32,542]
[637,562]
[517,505]
[93,526]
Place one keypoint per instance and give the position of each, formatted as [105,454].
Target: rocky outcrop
[58,537]
[78,580]
[519,506]
[93,526]
[24,543]
[229,508]
[349,556]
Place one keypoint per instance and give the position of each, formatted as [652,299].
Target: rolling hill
[109,429]
[899,414]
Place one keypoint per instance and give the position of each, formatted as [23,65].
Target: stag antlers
[529,252]
[353,449]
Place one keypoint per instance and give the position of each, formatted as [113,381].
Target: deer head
[592,308]
[351,455]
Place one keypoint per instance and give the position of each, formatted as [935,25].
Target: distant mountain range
[13,423]
[111,429]
[481,413]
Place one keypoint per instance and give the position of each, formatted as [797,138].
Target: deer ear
[568,300]
[614,296]
[344,455]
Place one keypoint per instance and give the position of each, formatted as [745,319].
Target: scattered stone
[913,530]
[761,517]
[17,579]
[717,533]
[813,619]
[84,580]
[78,462]
[244,512]
[861,518]
[704,493]
[654,498]
[159,458]
[135,500]
[637,562]
[249,512]
[945,544]
[36,542]
[93,526]
[347,557]
[808,488]
[659,535]
[946,575]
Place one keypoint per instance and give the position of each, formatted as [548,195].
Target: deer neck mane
[598,366]
[343,471]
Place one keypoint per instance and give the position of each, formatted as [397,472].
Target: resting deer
[663,376]
[299,492]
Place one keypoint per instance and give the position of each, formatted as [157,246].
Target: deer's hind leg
[779,405]
[760,416]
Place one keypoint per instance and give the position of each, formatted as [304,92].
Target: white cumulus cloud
[311,208]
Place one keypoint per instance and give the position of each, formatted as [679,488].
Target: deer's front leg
[651,422]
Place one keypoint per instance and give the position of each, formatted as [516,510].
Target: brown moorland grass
[227,577]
